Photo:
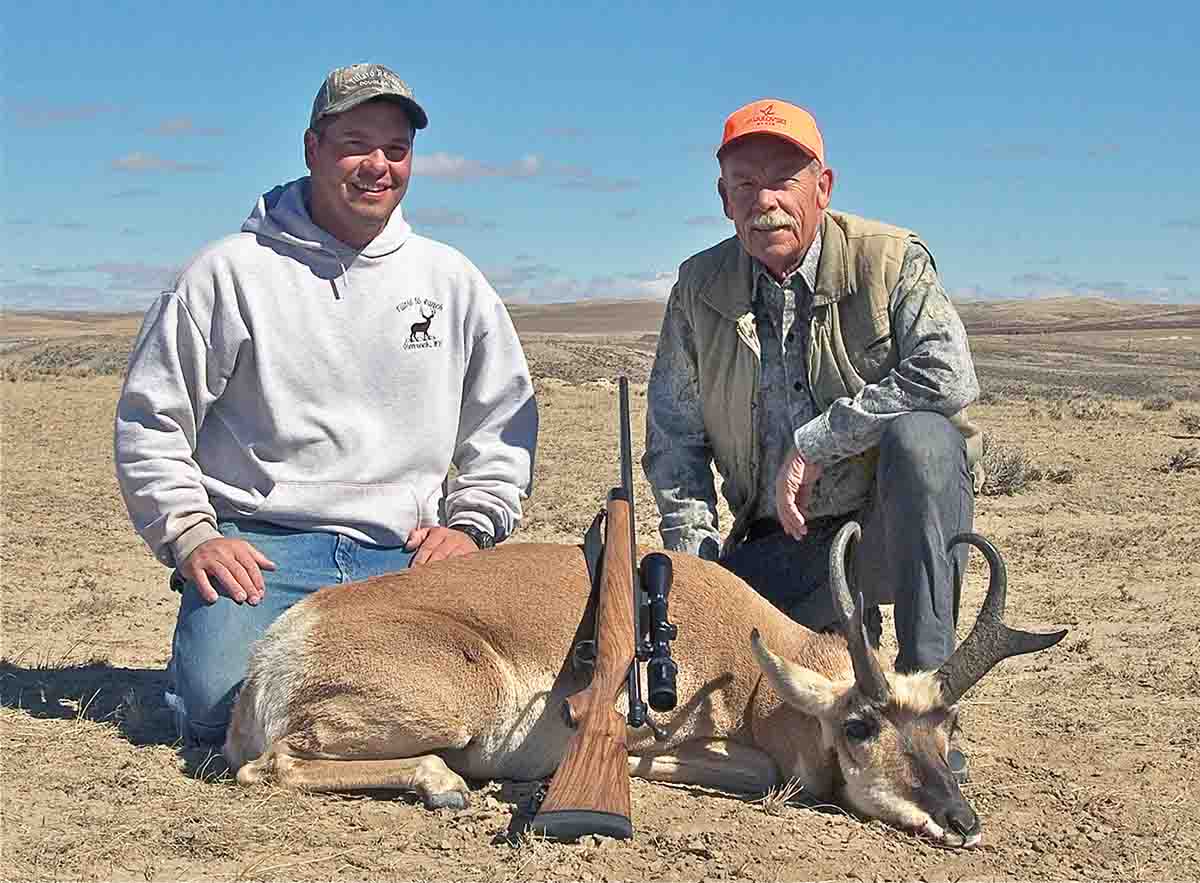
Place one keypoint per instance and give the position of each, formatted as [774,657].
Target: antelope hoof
[439,786]
[455,800]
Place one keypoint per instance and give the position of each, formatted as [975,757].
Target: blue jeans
[211,648]
[923,495]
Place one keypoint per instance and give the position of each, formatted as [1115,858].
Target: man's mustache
[776,219]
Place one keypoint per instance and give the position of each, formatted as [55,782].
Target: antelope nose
[961,819]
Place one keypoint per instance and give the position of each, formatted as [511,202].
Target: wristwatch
[481,538]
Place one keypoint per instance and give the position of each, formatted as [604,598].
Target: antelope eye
[858,730]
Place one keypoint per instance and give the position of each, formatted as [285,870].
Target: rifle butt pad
[571,824]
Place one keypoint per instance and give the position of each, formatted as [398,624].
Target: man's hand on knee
[227,567]
[436,543]
[793,488]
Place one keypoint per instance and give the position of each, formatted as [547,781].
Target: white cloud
[583,178]
[540,283]
[43,296]
[459,168]
[31,114]
[1017,151]
[454,167]
[137,276]
[446,217]
[1047,285]
[183,126]
[149,162]
[133,192]
[119,276]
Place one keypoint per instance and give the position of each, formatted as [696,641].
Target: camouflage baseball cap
[348,87]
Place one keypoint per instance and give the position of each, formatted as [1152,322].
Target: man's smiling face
[360,163]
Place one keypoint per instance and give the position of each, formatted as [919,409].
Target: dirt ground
[1084,758]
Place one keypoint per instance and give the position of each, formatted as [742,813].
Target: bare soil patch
[1084,758]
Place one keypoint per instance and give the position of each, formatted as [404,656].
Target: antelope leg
[713,763]
[436,784]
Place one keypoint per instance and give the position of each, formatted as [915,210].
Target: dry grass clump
[1008,469]
[1190,422]
[88,356]
[988,397]
[1059,475]
[1158,403]
[1092,409]
[1183,459]
[777,799]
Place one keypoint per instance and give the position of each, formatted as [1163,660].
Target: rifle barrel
[637,707]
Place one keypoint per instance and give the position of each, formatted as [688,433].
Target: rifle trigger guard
[660,735]
[583,656]
[533,802]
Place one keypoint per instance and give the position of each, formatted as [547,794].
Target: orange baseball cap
[773,117]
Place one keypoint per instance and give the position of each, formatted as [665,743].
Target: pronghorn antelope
[413,680]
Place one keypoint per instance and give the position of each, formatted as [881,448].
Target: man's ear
[825,187]
[311,141]
[724,198]
[800,687]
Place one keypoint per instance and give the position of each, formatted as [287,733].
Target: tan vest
[850,345]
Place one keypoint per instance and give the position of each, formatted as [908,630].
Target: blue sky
[1041,148]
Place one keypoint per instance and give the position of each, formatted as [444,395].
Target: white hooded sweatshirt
[292,379]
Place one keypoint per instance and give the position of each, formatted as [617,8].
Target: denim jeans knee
[212,643]
[210,654]
[922,451]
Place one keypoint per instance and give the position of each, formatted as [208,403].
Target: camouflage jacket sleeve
[678,458]
[935,372]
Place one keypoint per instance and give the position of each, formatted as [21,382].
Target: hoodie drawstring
[345,279]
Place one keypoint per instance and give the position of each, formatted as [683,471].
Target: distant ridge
[1072,314]
[642,317]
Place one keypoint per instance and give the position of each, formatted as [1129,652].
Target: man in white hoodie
[293,407]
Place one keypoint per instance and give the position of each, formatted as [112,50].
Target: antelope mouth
[939,836]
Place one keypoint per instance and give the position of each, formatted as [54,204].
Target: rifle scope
[661,668]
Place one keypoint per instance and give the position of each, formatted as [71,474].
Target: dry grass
[1092,410]
[86,356]
[775,801]
[95,788]
[1008,470]
[1158,403]
[1183,460]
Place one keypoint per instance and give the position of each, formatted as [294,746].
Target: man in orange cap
[815,358]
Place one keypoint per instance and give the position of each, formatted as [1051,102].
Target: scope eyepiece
[660,682]
[657,574]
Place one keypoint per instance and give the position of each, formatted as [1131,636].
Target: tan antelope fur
[417,679]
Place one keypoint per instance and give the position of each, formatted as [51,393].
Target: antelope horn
[990,640]
[868,676]
[839,585]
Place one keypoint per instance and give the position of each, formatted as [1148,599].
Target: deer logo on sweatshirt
[420,315]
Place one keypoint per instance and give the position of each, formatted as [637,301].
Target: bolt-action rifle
[589,793]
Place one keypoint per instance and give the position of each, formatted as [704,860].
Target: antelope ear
[800,687]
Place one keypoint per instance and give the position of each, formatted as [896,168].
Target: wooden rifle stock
[589,793]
